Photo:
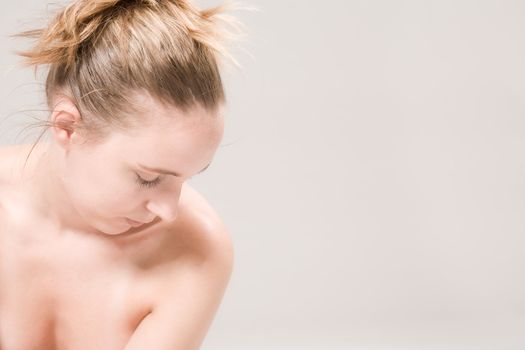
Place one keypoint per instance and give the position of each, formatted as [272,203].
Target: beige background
[372,173]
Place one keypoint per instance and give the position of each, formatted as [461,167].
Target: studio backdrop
[372,172]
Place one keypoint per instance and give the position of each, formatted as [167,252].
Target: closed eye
[147,184]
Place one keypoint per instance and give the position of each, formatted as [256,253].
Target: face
[109,182]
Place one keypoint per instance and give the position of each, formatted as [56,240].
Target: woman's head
[101,53]
[130,82]
[123,176]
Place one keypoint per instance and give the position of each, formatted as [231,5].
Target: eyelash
[147,184]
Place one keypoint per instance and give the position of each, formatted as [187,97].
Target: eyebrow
[164,171]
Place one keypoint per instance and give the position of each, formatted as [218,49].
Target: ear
[65,117]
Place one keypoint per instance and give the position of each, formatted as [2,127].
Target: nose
[166,206]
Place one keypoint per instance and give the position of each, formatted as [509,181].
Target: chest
[62,296]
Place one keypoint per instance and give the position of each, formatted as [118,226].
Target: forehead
[155,119]
[165,131]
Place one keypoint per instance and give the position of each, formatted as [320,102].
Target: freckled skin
[73,273]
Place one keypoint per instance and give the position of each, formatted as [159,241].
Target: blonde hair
[101,52]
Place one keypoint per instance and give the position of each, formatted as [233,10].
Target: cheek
[104,192]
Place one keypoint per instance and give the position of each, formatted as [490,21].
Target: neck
[42,177]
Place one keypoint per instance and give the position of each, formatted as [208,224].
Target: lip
[134,223]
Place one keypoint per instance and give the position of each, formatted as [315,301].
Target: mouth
[143,228]
[134,223]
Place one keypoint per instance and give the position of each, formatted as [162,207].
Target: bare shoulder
[199,247]
[203,230]
[189,295]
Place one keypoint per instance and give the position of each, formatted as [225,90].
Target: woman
[103,245]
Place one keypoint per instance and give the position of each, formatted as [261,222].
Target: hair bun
[68,29]
[101,52]
[81,20]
